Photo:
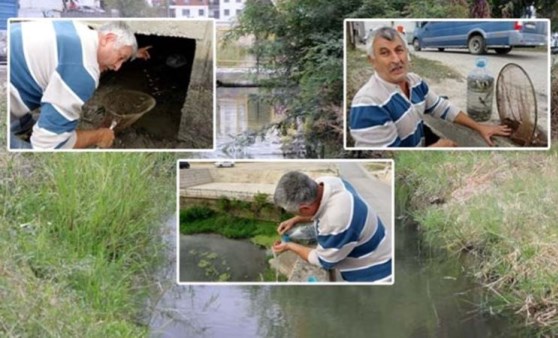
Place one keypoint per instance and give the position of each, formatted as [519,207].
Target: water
[206,257]
[241,116]
[430,298]
[480,92]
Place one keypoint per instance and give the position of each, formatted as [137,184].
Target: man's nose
[395,57]
[117,66]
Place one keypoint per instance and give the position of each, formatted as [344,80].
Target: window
[238,1]
[238,11]
[185,12]
[227,12]
[201,12]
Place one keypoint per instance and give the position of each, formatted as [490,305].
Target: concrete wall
[193,177]
[199,102]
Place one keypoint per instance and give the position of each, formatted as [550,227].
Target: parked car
[479,36]
[554,43]
[183,165]
[224,164]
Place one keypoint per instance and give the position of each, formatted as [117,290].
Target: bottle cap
[481,62]
[285,238]
[312,279]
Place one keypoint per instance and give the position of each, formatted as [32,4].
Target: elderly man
[55,66]
[388,110]
[351,237]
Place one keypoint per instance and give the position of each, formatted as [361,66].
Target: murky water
[206,257]
[430,298]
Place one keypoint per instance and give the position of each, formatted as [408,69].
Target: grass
[81,240]
[200,219]
[493,208]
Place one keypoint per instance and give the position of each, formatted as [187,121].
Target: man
[351,237]
[388,110]
[55,66]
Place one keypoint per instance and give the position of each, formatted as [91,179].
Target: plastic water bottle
[480,91]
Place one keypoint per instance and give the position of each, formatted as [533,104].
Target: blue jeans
[17,127]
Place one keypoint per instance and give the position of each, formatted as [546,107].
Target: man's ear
[106,39]
[371,60]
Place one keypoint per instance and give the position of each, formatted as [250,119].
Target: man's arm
[372,126]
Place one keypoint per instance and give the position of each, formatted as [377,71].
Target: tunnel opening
[165,77]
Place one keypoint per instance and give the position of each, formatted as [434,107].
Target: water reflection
[241,115]
[431,298]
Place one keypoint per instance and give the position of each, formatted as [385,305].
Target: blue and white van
[479,36]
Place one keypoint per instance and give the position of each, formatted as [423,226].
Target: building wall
[191,11]
[229,9]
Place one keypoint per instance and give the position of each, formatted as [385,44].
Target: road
[536,65]
[378,194]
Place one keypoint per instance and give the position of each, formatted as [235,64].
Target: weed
[83,261]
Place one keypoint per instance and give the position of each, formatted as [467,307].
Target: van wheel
[476,45]
[416,45]
[441,49]
[502,50]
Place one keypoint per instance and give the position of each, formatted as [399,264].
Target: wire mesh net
[517,105]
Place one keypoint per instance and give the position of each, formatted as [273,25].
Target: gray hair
[387,33]
[295,188]
[124,35]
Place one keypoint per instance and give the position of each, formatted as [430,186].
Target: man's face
[390,60]
[108,56]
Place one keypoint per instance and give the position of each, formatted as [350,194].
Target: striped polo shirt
[383,116]
[351,236]
[53,65]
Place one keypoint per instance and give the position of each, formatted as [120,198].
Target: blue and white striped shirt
[383,116]
[351,236]
[53,65]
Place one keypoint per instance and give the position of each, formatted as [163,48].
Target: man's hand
[143,53]
[279,246]
[102,138]
[105,137]
[443,143]
[485,130]
[286,225]
[489,130]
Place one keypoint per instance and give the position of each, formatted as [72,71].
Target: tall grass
[82,239]
[500,209]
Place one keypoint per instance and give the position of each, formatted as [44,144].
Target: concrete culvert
[178,76]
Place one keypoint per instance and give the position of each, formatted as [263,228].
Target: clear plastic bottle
[480,91]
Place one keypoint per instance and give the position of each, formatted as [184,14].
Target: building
[189,9]
[230,9]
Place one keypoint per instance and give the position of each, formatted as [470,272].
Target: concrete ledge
[463,136]
[297,269]
[240,191]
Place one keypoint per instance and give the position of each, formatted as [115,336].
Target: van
[479,36]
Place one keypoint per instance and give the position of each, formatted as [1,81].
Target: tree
[300,43]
